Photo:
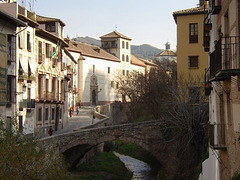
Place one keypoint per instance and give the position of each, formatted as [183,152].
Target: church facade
[98,67]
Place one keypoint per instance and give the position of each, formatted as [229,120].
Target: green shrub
[21,158]
[236,176]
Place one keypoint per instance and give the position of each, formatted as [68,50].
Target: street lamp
[24,88]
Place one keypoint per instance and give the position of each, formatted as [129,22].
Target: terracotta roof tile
[41,19]
[147,62]
[136,61]
[115,34]
[167,53]
[191,10]
[196,10]
[91,51]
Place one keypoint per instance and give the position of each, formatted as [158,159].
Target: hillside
[144,51]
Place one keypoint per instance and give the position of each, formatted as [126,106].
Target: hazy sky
[145,21]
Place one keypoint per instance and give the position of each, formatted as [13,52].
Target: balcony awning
[32,65]
[23,64]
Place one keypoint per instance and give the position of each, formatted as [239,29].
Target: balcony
[217,136]
[27,103]
[224,61]
[42,96]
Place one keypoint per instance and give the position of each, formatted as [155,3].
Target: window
[127,72]
[53,84]
[28,42]
[123,72]
[117,85]
[11,89]
[193,61]
[93,68]
[20,124]
[53,113]
[194,95]
[40,59]
[47,86]
[112,84]
[123,44]
[11,48]
[48,50]
[46,114]
[123,57]
[113,44]
[50,26]
[127,58]
[40,114]
[60,113]
[126,45]
[193,33]
[108,70]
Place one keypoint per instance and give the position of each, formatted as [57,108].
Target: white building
[98,67]
[8,72]
[41,79]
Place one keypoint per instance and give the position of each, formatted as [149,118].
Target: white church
[98,67]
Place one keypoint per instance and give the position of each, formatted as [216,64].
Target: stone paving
[82,119]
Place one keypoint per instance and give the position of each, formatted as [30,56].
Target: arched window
[126,45]
[123,57]
[123,44]
[127,58]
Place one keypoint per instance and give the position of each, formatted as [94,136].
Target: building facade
[42,76]
[8,92]
[192,60]
[222,28]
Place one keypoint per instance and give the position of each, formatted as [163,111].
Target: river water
[141,170]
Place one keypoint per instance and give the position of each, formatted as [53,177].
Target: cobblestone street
[82,119]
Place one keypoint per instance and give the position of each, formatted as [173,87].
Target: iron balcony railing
[217,136]
[224,61]
[50,96]
[27,103]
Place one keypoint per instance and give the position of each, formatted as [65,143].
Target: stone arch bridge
[75,144]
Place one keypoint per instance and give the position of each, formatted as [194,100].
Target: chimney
[167,45]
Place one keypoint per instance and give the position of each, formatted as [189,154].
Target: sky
[144,21]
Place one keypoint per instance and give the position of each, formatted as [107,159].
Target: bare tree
[182,107]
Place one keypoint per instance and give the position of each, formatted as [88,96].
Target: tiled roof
[191,10]
[41,19]
[196,10]
[167,53]
[51,36]
[147,62]
[136,61]
[115,34]
[91,51]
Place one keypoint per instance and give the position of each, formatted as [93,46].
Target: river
[141,170]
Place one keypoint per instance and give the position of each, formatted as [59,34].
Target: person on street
[50,131]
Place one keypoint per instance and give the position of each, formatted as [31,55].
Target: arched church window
[127,58]
[123,57]
[123,44]
[126,45]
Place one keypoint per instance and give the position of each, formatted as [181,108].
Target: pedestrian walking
[77,110]
[50,131]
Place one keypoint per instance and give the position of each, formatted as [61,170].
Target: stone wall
[117,111]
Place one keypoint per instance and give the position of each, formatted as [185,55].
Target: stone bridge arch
[74,145]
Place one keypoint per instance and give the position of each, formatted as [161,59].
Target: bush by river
[106,165]
[103,166]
